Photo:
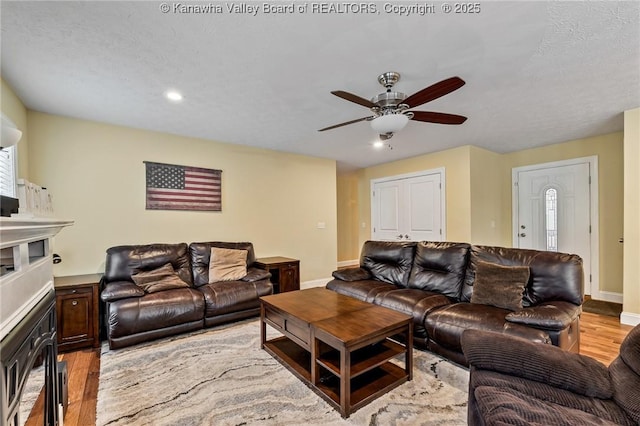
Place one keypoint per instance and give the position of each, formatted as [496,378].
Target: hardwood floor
[600,338]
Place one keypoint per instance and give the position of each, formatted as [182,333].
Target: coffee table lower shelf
[367,385]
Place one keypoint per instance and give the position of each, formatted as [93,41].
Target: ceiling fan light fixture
[389,123]
[173,95]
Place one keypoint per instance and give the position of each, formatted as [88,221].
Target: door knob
[399,237]
[523,235]
[523,227]
[406,236]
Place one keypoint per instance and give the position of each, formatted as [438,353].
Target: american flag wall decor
[172,187]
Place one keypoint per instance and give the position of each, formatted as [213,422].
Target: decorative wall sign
[172,187]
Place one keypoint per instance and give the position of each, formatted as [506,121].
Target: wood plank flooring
[600,338]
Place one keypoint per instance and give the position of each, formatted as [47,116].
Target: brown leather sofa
[132,315]
[515,382]
[434,283]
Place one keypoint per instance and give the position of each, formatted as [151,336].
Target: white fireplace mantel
[25,243]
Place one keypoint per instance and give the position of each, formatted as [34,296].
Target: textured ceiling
[537,73]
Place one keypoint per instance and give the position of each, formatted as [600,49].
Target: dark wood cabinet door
[77,312]
[75,315]
[289,279]
[285,272]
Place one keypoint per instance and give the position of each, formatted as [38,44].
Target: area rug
[221,377]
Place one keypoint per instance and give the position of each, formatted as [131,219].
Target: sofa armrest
[117,290]
[352,274]
[255,274]
[556,315]
[546,364]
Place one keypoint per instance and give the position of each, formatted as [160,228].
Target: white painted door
[408,208]
[387,200]
[553,211]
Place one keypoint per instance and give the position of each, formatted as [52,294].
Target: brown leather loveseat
[145,298]
[450,287]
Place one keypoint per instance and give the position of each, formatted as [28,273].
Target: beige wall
[631,301]
[13,108]
[457,189]
[487,193]
[347,197]
[97,177]
[608,148]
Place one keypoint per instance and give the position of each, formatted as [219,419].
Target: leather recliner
[517,382]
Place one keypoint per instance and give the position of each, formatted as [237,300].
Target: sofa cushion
[526,359]
[388,261]
[603,408]
[625,374]
[630,350]
[413,302]
[154,311]
[556,315]
[445,325]
[255,274]
[227,264]
[124,261]
[365,290]
[499,286]
[554,276]
[120,290]
[201,256]
[159,279]
[352,274]
[225,297]
[439,267]
[510,407]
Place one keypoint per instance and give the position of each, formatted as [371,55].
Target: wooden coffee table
[339,346]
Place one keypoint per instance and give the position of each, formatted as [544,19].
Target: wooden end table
[285,272]
[338,345]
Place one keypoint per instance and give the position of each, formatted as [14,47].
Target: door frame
[443,198]
[592,278]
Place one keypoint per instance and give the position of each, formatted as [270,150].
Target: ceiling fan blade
[438,117]
[434,91]
[353,98]
[345,123]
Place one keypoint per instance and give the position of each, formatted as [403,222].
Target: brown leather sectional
[132,316]
[434,282]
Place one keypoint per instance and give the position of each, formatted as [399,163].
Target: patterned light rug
[221,376]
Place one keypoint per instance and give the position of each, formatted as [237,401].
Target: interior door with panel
[387,198]
[408,208]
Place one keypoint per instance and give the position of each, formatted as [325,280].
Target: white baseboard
[607,296]
[314,283]
[629,318]
[344,263]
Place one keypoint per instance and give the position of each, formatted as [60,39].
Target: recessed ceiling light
[174,96]
[378,144]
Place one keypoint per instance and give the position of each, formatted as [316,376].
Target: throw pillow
[500,286]
[227,264]
[159,279]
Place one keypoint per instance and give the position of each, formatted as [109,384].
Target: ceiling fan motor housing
[388,100]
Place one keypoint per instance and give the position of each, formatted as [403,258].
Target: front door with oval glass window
[553,210]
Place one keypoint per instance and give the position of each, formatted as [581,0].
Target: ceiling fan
[391,109]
